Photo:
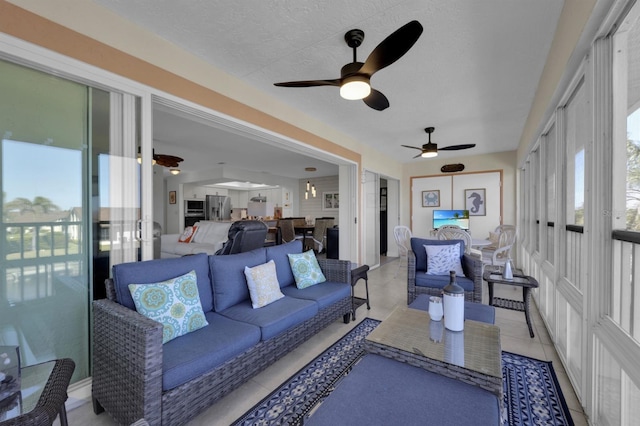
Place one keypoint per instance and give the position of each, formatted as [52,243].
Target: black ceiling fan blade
[309,83]
[392,48]
[417,156]
[376,100]
[457,147]
[414,147]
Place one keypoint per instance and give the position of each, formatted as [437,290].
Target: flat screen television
[451,217]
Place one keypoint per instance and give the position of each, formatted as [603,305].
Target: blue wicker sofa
[136,376]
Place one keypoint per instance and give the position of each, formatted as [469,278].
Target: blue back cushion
[279,255]
[417,246]
[228,279]
[155,271]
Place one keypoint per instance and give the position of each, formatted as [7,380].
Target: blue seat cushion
[198,352]
[228,278]
[441,281]
[472,311]
[381,391]
[324,294]
[279,255]
[274,318]
[155,271]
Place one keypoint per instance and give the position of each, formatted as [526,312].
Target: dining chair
[319,239]
[454,232]
[498,253]
[287,230]
[402,235]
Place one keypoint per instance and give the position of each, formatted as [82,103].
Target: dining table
[306,231]
[479,242]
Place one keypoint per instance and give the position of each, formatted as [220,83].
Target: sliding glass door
[70,206]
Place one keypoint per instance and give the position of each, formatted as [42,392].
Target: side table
[357,273]
[526,282]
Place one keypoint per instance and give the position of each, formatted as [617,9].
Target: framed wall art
[172,197]
[431,198]
[475,201]
[330,201]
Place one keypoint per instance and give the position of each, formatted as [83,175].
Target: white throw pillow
[443,258]
[263,284]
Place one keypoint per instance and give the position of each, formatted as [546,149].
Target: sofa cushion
[174,303]
[279,255]
[263,284]
[228,279]
[324,294]
[306,270]
[194,354]
[421,254]
[275,318]
[194,248]
[444,258]
[154,271]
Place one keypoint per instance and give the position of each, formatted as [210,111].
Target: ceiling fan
[170,161]
[354,81]
[430,149]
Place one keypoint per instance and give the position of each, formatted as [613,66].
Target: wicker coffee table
[472,356]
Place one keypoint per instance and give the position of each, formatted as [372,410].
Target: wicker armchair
[417,264]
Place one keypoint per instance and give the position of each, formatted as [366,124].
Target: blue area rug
[531,389]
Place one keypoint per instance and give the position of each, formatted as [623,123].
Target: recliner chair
[244,235]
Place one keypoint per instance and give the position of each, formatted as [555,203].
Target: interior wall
[314,207]
[505,161]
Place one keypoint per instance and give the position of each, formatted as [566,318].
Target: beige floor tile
[385,293]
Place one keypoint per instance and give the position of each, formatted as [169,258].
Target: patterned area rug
[532,392]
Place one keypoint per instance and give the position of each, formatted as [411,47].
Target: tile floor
[386,290]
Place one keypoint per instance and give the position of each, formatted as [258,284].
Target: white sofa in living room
[208,238]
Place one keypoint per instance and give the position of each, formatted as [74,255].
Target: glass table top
[476,348]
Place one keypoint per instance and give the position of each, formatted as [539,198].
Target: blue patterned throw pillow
[174,303]
[263,284]
[443,258]
[306,270]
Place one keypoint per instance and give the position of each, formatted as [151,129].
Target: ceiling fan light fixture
[429,154]
[429,150]
[355,87]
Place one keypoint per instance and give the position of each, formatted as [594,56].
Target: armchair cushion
[174,303]
[417,246]
[263,284]
[441,281]
[154,271]
[443,258]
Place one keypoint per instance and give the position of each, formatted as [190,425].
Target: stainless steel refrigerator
[218,207]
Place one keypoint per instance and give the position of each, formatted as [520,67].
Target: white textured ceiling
[472,74]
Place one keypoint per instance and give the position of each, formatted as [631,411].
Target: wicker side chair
[52,399]
[417,267]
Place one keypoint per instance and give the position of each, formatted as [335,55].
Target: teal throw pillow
[305,268]
[174,303]
[263,284]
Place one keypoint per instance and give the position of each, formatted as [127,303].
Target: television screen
[451,217]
